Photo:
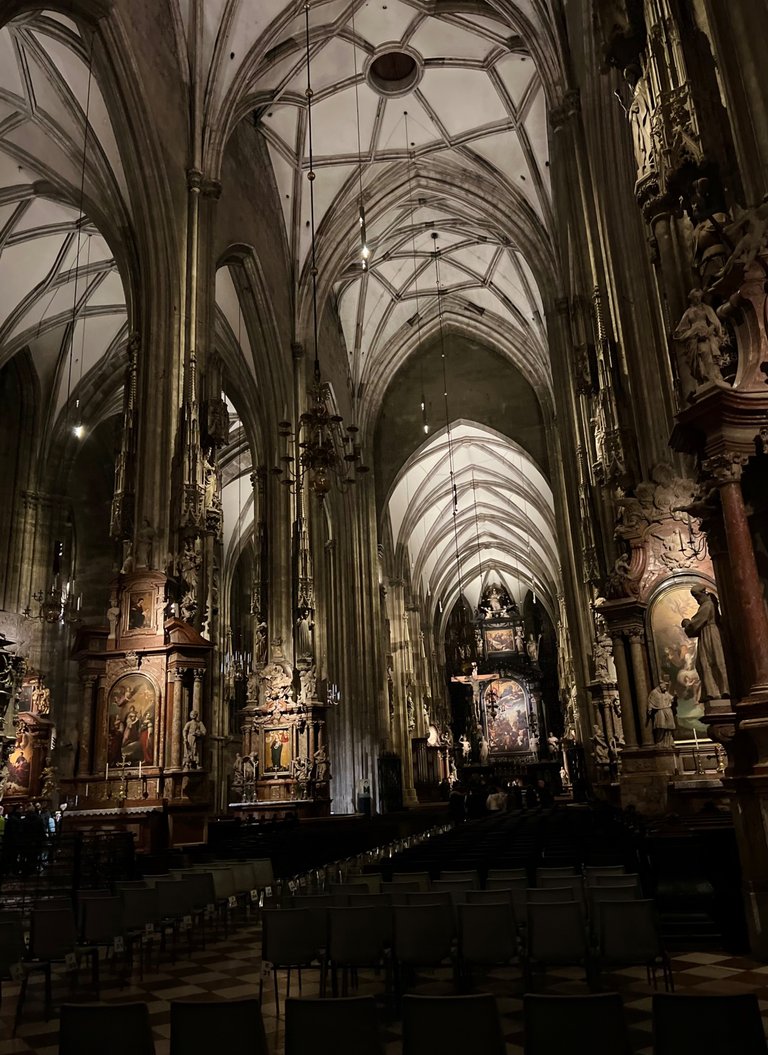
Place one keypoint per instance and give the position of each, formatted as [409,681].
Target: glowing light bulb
[426,430]
[78,431]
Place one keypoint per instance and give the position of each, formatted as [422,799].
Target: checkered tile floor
[231,968]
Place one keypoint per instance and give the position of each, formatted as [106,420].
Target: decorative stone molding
[725,468]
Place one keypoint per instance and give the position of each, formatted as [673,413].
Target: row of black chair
[580,1025]
[432,933]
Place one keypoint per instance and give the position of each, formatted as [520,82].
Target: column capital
[568,107]
[726,467]
[211,188]
[194,179]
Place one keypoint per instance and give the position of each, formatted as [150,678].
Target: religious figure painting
[277,752]
[509,731]
[139,611]
[19,766]
[675,654]
[500,639]
[132,716]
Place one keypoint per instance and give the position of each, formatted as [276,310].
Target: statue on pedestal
[661,714]
[710,659]
[144,539]
[701,335]
[322,765]
[194,732]
[600,751]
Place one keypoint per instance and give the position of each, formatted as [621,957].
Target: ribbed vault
[475,492]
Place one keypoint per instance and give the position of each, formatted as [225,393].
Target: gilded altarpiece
[142,758]
[284,765]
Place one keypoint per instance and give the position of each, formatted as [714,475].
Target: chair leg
[277,994]
[20,1003]
[48,991]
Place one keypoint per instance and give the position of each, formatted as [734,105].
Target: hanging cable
[365,251]
[412,203]
[454,489]
[477,530]
[311,178]
[78,427]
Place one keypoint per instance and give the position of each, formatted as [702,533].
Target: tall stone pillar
[745,586]
[636,648]
[625,691]
[400,658]
[86,727]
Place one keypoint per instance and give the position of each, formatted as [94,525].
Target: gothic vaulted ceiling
[61,295]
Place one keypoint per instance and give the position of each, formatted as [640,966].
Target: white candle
[106,772]
[696,739]
[87,789]
[139,770]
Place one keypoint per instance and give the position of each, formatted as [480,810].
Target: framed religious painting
[277,751]
[499,639]
[507,714]
[132,712]
[673,653]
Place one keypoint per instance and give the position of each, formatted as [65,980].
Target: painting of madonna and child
[132,710]
[675,654]
[509,731]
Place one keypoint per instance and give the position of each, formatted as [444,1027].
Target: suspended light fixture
[328,452]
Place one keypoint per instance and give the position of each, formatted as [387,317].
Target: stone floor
[231,969]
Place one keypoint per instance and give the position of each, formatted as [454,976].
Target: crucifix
[476,681]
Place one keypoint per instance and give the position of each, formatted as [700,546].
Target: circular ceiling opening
[394,72]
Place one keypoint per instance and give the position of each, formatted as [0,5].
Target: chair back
[591,871]
[549,894]
[101,920]
[422,878]
[487,933]
[201,889]
[92,1029]
[507,873]
[223,883]
[452,1025]
[374,900]
[52,933]
[467,875]
[290,936]
[707,1024]
[628,931]
[202,1025]
[358,936]
[556,933]
[423,933]
[12,946]
[551,873]
[457,888]
[580,1025]
[628,879]
[263,875]
[341,1026]
[139,907]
